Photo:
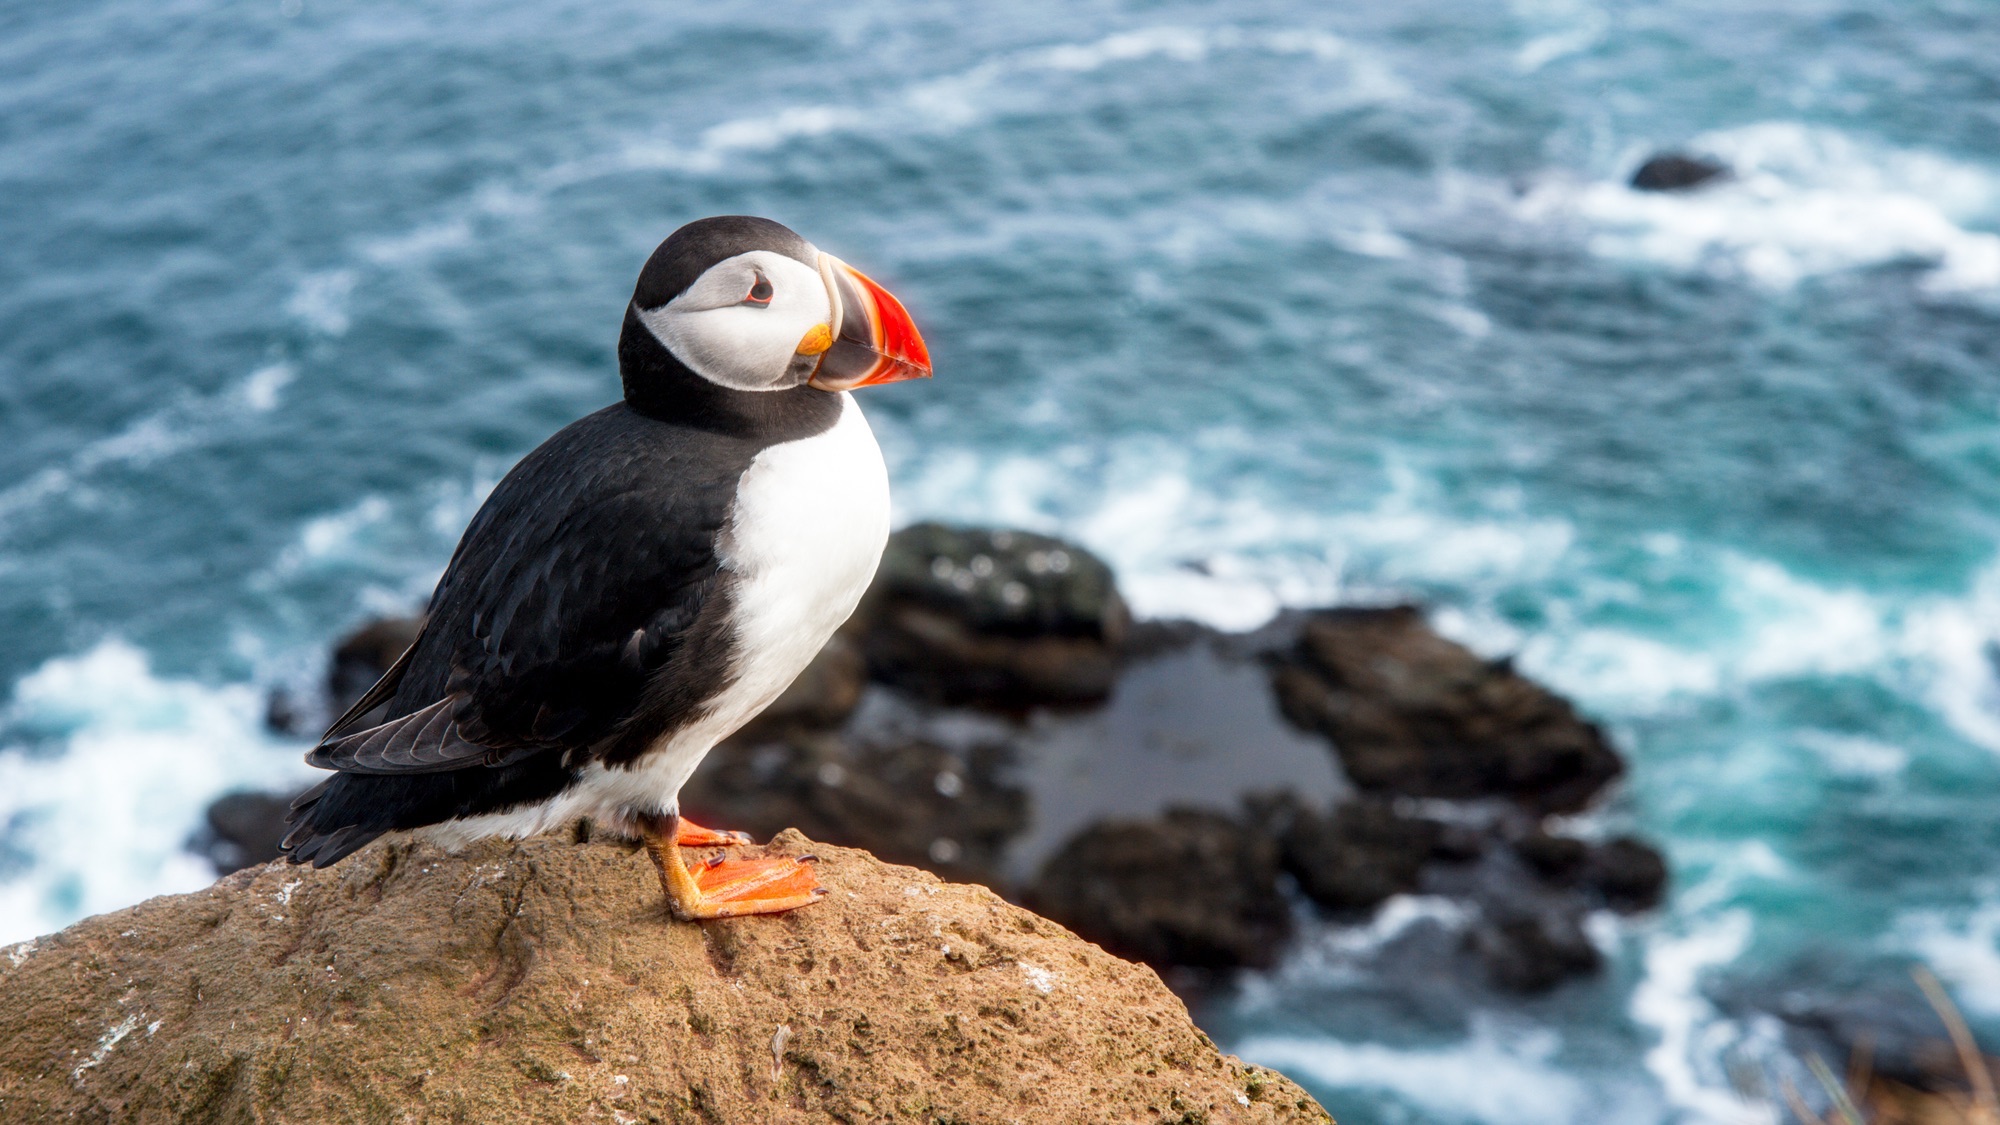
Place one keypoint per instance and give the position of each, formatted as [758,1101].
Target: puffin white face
[756,322]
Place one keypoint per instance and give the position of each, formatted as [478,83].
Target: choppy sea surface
[1270,303]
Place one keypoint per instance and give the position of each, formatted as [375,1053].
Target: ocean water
[1270,303]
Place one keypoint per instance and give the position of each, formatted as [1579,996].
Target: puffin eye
[760,292]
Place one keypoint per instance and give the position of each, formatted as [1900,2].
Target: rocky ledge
[541,981]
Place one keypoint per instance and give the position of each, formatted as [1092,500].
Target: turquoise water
[1270,304]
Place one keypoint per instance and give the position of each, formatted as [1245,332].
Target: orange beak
[874,340]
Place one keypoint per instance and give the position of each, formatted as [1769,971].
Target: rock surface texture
[541,981]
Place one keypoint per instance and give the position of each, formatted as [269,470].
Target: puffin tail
[313,841]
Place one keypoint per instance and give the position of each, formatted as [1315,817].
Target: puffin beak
[873,340]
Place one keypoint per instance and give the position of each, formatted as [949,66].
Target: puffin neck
[659,385]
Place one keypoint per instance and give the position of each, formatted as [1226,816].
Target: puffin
[645,581]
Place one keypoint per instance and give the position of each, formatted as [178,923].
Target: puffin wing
[426,741]
[378,693]
[586,572]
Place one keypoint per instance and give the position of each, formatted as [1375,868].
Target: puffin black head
[746,304]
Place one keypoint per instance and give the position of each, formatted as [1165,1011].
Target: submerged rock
[542,982]
[1528,947]
[1002,619]
[1674,171]
[1414,714]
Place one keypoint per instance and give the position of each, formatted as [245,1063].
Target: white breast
[811,519]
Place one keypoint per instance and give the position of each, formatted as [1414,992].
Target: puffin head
[745,303]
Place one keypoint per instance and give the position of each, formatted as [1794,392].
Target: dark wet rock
[1414,714]
[913,802]
[1192,888]
[1003,619]
[243,829]
[1530,950]
[1357,856]
[1674,171]
[284,713]
[1191,726]
[363,655]
[1558,859]
[1630,873]
[820,699]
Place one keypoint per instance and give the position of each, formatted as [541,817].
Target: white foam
[102,803]
[1231,551]
[1805,200]
[260,392]
[1565,27]
[1961,947]
[1854,755]
[1496,1077]
[1685,1060]
[321,300]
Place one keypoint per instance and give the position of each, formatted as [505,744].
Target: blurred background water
[1269,303]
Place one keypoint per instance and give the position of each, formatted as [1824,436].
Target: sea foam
[1498,1076]
[108,770]
[1804,201]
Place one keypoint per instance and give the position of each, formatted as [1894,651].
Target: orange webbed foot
[731,887]
[725,888]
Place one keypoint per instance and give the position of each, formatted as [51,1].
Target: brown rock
[1414,714]
[992,618]
[541,982]
[1192,888]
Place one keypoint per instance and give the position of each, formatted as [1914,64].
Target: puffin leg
[722,888]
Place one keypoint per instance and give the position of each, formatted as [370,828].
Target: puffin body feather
[793,562]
